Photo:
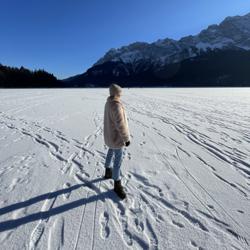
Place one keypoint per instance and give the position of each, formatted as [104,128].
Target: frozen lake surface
[187,171]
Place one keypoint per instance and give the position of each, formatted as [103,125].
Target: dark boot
[118,188]
[108,173]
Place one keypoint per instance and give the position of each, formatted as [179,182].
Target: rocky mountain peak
[233,32]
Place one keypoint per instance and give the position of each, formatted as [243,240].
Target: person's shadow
[42,215]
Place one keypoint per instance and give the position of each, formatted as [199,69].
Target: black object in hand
[127,143]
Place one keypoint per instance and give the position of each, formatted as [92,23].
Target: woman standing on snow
[116,136]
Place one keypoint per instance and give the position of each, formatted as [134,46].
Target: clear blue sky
[66,37]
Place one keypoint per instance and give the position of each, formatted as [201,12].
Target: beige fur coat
[116,131]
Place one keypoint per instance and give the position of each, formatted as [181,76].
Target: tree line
[13,77]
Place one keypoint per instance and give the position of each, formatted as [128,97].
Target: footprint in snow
[240,211]
[13,184]
[105,230]
[178,224]
[129,176]
[139,225]
[142,143]
[67,194]
[194,244]
[79,178]
[36,235]
[129,156]
[211,206]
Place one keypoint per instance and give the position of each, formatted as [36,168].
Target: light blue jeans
[117,153]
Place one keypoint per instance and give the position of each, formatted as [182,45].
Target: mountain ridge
[232,34]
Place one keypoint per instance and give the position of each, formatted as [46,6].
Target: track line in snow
[84,151]
[232,185]
[39,229]
[211,149]
[56,234]
[152,237]
[239,237]
[220,157]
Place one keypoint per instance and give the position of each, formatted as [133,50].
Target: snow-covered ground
[187,171]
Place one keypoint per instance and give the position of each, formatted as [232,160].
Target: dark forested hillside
[211,68]
[11,77]
[215,68]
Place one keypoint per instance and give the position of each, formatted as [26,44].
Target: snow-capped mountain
[225,48]
[233,32]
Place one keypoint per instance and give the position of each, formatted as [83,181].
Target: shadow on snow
[43,215]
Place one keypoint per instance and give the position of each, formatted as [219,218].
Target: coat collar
[114,99]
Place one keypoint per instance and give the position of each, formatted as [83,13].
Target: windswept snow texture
[187,171]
